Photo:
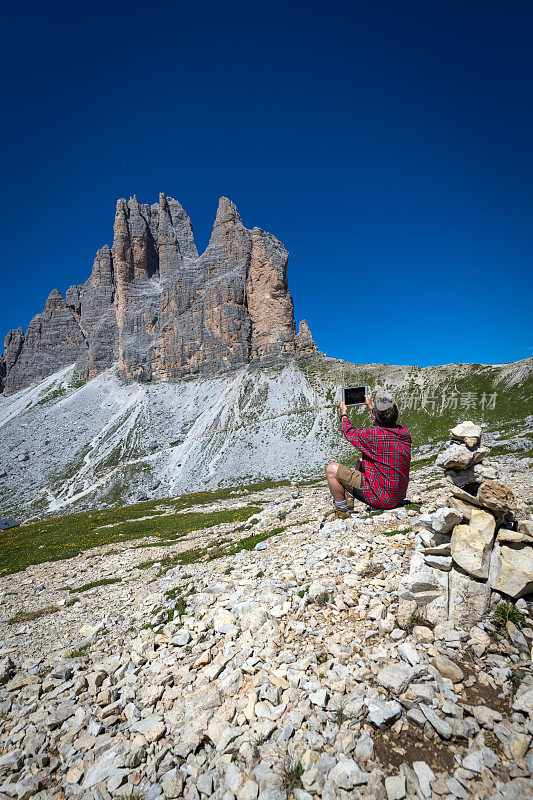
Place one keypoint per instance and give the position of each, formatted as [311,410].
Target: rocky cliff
[161,310]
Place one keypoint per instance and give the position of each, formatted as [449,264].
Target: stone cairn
[474,551]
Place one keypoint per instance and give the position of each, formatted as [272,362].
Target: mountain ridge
[75,445]
[160,310]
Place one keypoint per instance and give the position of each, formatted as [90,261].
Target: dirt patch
[372,570]
[483,693]
[392,750]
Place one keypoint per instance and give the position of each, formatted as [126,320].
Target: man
[381,477]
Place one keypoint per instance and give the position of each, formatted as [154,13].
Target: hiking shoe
[349,500]
[340,514]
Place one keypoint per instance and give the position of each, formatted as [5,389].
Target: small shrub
[322,657]
[491,741]
[322,599]
[291,776]
[256,745]
[399,532]
[78,652]
[371,571]
[516,676]
[339,715]
[507,612]
[416,618]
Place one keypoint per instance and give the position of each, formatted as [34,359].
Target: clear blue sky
[386,143]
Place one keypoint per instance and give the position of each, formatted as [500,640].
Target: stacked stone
[480,542]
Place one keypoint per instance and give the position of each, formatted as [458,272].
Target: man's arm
[356,436]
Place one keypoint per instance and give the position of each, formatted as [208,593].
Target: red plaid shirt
[386,457]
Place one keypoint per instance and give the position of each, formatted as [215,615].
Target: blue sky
[387,144]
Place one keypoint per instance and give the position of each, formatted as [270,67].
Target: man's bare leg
[336,488]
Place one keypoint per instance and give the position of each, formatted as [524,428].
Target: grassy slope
[430,422]
[66,536]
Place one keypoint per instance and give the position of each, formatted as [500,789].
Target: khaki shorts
[350,477]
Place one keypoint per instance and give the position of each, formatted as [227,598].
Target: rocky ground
[266,673]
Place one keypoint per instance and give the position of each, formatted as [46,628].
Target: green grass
[291,776]
[507,612]
[64,537]
[414,620]
[212,553]
[395,533]
[29,616]
[78,652]
[93,584]
[52,396]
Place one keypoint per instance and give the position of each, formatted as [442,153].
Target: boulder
[466,497]
[506,535]
[511,569]
[447,668]
[469,599]
[426,590]
[459,456]
[467,432]
[498,497]
[463,507]
[471,544]
[396,677]
[525,526]
[461,477]
[444,519]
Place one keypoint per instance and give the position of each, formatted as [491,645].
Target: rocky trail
[293,669]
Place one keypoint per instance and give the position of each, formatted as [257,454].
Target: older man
[381,476]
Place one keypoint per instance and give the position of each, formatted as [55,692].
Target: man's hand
[368,403]
[342,407]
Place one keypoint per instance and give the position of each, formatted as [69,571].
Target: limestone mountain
[159,309]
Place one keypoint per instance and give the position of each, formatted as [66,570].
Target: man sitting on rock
[380,478]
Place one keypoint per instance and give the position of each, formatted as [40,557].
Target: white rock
[181,638]
[524,702]
[471,544]
[466,430]
[152,728]
[442,727]
[469,599]
[459,456]
[408,653]
[444,519]
[233,778]
[425,776]
[395,787]
[248,791]
[396,677]
[426,590]
[511,569]
[364,748]
[319,698]
[347,774]
[222,619]
[382,711]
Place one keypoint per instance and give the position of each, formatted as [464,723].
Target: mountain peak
[158,310]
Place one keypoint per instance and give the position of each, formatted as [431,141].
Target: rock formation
[159,309]
[303,339]
[480,542]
